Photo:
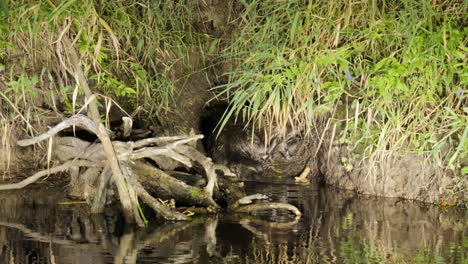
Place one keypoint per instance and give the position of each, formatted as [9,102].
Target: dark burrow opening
[249,155]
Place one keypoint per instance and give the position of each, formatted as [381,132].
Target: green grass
[132,53]
[129,49]
[390,74]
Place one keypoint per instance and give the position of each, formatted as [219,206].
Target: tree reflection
[336,227]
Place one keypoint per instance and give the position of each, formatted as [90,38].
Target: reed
[391,74]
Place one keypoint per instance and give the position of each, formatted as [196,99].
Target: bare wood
[76,120]
[303,176]
[156,141]
[208,165]
[157,181]
[159,207]
[40,174]
[248,200]
[101,191]
[123,188]
[266,206]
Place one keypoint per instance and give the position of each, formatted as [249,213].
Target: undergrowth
[132,53]
[391,74]
[129,50]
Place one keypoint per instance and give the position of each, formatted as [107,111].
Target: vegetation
[391,74]
[128,50]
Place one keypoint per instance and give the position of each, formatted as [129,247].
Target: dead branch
[245,205]
[207,164]
[129,209]
[43,173]
[77,153]
[76,120]
[265,206]
[159,207]
[157,181]
[248,200]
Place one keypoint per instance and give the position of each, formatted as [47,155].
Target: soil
[403,175]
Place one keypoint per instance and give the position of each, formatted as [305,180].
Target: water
[337,227]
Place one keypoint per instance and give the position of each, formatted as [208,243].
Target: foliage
[391,74]
[128,48]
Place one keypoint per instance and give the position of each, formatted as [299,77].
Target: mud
[403,175]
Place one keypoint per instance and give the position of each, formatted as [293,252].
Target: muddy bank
[247,152]
[384,173]
[404,175]
[253,154]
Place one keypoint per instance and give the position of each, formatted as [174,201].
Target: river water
[336,227]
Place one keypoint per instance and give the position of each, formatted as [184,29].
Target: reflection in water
[336,227]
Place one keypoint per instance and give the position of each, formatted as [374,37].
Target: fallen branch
[157,181]
[129,209]
[248,200]
[207,164]
[159,207]
[76,153]
[76,120]
[43,173]
[266,206]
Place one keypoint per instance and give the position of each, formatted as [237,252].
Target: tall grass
[128,48]
[390,73]
[132,52]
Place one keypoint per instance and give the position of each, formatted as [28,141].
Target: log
[160,183]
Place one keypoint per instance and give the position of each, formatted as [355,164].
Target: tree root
[157,181]
[115,163]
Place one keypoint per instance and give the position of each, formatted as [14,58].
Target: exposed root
[154,203]
[249,199]
[76,120]
[75,154]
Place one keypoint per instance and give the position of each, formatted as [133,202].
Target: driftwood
[157,181]
[77,153]
[126,194]
[144,179]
